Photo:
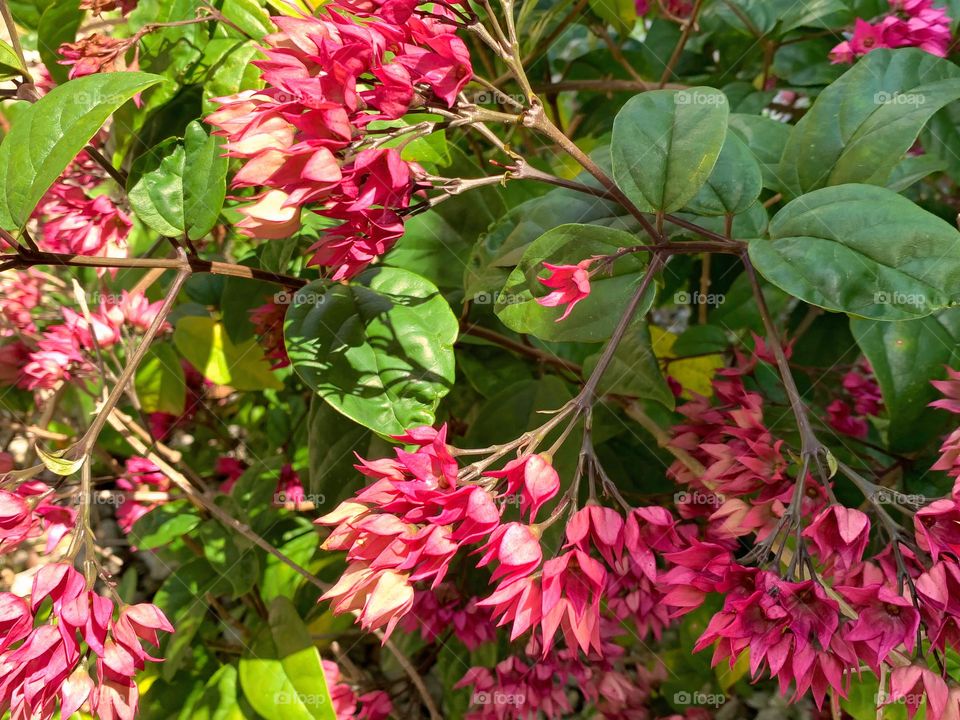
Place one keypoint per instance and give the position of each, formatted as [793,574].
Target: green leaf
[159,381]
[179,187]
[735,183]
[862,250]
[766,139]
[58,24]
[164,524]
[203,341]
[48,136]
[905,357]
[182,599]
[282,675]
[620,14]
[764,16]
[591,319]
[249,16]
[219,699]
[205,182]
[56,463]
[9,62]
[229,554]
[634,370]
[861,126]
[379,350]
[665,144]
[332,440]
[300,545]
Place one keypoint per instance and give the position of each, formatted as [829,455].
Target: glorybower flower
[102,6]
[937,527]
[301,137]
[436,611]
[910,24]
[885,620]
[17,521]
[20,293]
[62,350]
[95,53]
[55,520]
[141,476]
[267,322]
[44,659]
[570,285]
[841,534]
[78,225]
[909,684]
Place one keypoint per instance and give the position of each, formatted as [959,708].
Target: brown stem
[688,27]
[15,39]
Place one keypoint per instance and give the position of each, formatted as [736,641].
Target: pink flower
[910,683]
[573,586]
[17,522]
[516,548]
[599,527]
[840,533]
[840,417]
[144,477]
[937,527]
[95,53]
[267,322]
[375,705]
[534,478]
[885,620]
[42,660]
[75,224]
[570,285]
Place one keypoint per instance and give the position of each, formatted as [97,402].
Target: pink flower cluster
[28,511]
[303,136]
[97,53]
[74,222]
[910,23]
[374,705]
[63,351]
[402,533]
[20,294]
[849,415]
[141,476]
[267,322]
[436,611]
[44,657]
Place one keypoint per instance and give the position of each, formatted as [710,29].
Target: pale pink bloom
[841,534]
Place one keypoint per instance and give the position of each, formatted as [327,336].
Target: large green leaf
[860,126]
[766,139]
[178,188]
[905,357]
[282,675]
[735,183]
[203,341]
[594,318]
[332,440]
[379,350]
[764,16]
[863,250]
[160,382]
[48,136]
[665,144]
